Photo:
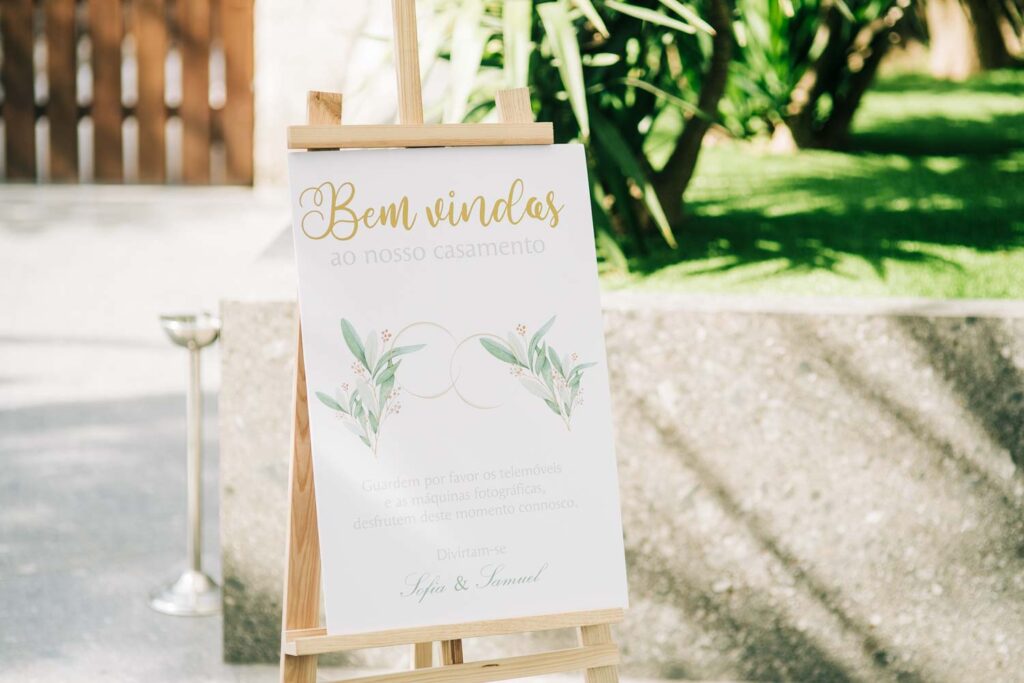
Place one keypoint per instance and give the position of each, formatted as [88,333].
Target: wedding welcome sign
[458,391]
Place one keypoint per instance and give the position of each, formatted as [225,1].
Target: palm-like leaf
[565,47]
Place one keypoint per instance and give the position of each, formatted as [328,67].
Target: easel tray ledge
[315,641]
[505,669]
[419,135]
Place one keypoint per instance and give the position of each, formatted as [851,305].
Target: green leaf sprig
[554,378]
[374,395]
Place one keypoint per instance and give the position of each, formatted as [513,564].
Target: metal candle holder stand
[193,593]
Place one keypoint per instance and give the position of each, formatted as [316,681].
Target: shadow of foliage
[772,648]
[931,167]
[999,82]
[917,115]
[876,209]
[982,373]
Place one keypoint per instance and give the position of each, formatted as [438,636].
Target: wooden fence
[63,67]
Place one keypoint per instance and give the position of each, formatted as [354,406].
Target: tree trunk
[988,38]
[950,43]
[843,71]
[815,80]
[965,37]
[869,47]
[672,180]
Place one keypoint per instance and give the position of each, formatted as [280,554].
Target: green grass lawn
[928,201]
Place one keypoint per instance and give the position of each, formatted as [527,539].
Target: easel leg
[302,564]
[298,669]
[599,635]
[422,655]
[451,652]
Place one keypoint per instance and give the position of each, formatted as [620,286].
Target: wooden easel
[302,636]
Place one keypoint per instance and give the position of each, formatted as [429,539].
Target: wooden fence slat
[106,27]
[19,93]
[198,21]
[62,107]
[237,36]
[150,30]
[194,20]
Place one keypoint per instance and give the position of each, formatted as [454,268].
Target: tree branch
[869,46]
[671,181]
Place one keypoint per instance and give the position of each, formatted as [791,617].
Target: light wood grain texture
[301,608]
[599,635]
[298,669]
[301,611]
[19,92]
[451,652]
[407,62]
[106,28]
[150,28]
[62,106]
[505,669]
[323,108]
[293,633]
[194,24]
[310,641]
[514,105]
[237,37]
[422,655]
[429,135]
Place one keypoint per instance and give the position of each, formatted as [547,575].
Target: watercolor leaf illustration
[555,379]
[365,404]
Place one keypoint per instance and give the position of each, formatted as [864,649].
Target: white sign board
[458,388]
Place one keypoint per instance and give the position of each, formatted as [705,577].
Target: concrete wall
[812,490]
[334,45]
[300,45]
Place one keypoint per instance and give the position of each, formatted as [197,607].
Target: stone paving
[92,423]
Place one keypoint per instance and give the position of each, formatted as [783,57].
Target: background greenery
[747,145]
[927,201]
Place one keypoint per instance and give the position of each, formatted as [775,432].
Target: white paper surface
[484,484]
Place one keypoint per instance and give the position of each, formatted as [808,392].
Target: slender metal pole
[194,539]
[193,593]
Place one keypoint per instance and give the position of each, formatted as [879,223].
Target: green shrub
[802,66]
[640,83]
[625,79]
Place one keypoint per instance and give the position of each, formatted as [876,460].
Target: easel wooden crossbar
[303,639]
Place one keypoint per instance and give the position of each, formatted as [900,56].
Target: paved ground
[92,420]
